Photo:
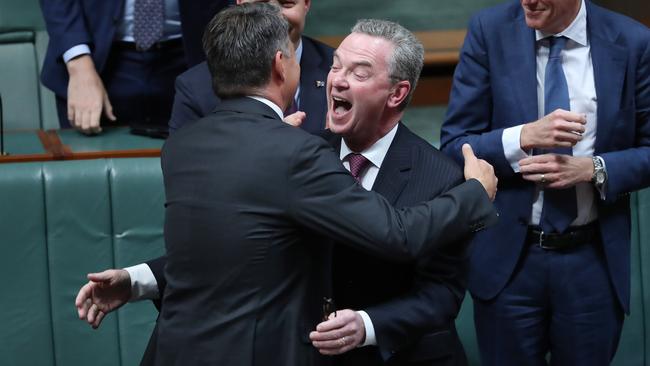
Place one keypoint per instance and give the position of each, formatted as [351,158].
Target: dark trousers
[140,85]
[557,302]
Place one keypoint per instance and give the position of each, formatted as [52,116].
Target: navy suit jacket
[412,306]
[195,98]
[94,22]
[495,88]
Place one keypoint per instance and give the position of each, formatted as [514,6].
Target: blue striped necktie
[560,205]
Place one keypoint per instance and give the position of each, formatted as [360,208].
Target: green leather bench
[59,221]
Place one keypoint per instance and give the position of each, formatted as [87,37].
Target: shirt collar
[576,31]
[299,51]
[375,153]
[271,105]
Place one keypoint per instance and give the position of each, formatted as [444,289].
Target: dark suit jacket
[412,306]
[248,198]
[495,87]
[94,22]
[195,98]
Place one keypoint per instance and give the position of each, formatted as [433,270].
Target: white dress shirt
[375,154]
[124,32]
[579,71]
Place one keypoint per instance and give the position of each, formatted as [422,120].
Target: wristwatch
[600,174]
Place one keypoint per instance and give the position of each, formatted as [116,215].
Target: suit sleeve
[432,304]
[185,108]
[629,169]
[325,198]
[469,112]
[65,24]
[157,267]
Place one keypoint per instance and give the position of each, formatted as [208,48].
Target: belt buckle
[540,242]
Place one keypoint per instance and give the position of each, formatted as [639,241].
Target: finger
[108,109]
[468,153]
[331,324]
[570,116]
[93,122]
[295,119]
[105,276]
[98,320]
[83,294]
[537,159]
[82,310]
[92,314]
[70,114]
[85,121]
[542,168]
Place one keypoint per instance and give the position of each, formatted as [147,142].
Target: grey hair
[405,63]
[240,43]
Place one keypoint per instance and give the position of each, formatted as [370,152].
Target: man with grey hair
[403,313]
[248,198]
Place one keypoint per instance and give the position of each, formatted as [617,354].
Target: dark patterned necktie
[560,205]
[358,164]
[148,18]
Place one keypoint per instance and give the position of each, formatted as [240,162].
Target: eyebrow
[356,63]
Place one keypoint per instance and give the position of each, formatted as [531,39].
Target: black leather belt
[573,237]
[158,46]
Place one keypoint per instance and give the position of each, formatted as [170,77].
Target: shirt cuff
[370,330]
[510,139]
[75,51]
[143,283]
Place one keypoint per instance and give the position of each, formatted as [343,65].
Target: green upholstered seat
[59,221]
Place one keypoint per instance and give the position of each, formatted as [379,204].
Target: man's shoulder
[428,160]
[198,73]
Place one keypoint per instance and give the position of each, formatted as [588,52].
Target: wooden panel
[441,48]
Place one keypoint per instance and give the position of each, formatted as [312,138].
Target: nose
[339,81]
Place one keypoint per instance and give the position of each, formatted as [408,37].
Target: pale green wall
[335,17]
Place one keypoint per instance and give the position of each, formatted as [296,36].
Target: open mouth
[340,106]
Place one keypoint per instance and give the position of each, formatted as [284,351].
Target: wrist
[80,64]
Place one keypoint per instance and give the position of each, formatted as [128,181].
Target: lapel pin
[320,83]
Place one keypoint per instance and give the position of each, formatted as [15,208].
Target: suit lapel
[396,167]
[519,44]
[609,60]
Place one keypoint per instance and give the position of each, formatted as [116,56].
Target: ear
[307,4]
[278,71]
[400,90]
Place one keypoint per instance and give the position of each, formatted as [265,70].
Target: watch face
[600,177]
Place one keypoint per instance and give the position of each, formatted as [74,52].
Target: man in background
[195,98]
[117,60]
[556,95]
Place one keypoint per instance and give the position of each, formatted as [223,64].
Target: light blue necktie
[560,205]
[148,19]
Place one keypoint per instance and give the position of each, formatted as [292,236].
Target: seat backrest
[23,42]
[59,221]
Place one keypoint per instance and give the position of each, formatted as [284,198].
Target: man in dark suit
[559,279]
[246,272]
[195,98]
[99,62]
[404,312]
